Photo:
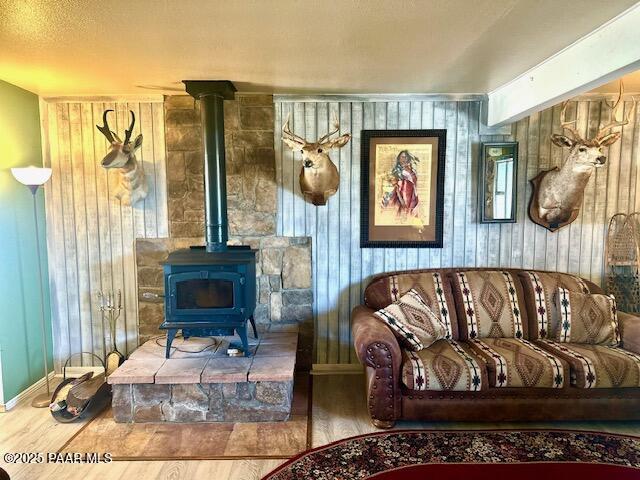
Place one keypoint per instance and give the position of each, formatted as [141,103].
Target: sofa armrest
[378,349]
[630,331]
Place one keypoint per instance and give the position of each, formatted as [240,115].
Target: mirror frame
[482,182]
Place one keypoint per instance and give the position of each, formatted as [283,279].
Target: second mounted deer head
[132,186]
[319,177]
[557,193]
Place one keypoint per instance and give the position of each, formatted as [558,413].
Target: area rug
[200,441]
[526,454]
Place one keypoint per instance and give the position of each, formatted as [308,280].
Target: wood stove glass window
[204,294]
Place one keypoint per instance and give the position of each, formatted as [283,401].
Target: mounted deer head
[132,185]
[557,193]
[319,177]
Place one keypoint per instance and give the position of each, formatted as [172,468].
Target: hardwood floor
[338,411]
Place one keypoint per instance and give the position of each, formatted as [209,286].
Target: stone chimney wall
[250,160]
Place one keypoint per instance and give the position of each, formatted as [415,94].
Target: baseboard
[337,369]
[25,393]
[1,387]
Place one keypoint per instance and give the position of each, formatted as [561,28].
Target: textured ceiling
[631,84]
[70,47]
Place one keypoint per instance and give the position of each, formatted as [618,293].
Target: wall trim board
[585,64]
[419,97]
[337,369]
[380,97]
[593,96]
[5,407]
[105,99]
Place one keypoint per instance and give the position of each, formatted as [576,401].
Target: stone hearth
[208,386]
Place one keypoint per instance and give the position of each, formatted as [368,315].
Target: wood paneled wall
[341,269]
[90,235]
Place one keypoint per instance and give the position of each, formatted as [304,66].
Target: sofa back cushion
[489,304]
[541,298]
[588,318]
[432,285]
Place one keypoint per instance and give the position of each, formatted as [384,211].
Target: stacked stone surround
[196,402]
[283,267]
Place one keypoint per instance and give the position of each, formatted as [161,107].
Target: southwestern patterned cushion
[541,294]
[597,366]
[489,302]
[586,318]
[513,362]
[445,365]
[412,321]
[432,286]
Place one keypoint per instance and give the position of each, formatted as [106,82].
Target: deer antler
[127,133]
[615,107]
[568,125]
[336,128]
[104,129]
[288,134]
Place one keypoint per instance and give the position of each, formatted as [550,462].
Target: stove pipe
[212,94]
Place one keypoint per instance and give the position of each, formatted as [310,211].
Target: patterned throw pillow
[588,318]
[412,321]
[433,287]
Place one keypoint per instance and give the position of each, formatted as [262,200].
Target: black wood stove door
[205,293]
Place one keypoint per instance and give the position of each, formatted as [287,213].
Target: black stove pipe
[212,95]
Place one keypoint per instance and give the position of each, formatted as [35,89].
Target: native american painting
[402,174]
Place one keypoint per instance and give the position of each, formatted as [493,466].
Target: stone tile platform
[200,383]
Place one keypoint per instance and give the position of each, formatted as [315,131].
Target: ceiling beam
[603,55]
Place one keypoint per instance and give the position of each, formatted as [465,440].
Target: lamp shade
[31,176]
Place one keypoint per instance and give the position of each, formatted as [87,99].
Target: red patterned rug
[452,454]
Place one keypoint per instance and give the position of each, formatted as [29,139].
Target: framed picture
[497,182]
[402,188]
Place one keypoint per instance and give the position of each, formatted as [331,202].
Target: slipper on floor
[80,394]
[59,400]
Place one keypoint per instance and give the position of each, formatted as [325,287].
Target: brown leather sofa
[613,378]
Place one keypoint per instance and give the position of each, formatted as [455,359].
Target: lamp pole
[44,399]
[33,178]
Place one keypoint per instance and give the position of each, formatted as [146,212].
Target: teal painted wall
[20,331]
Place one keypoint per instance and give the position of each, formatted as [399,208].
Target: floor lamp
[33,178]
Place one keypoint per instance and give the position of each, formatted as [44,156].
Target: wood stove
[211,290]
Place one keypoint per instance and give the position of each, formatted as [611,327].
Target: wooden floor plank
[339,411]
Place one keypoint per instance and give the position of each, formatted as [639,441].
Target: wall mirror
[497,182]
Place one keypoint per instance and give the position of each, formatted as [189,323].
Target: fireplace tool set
[110,307]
